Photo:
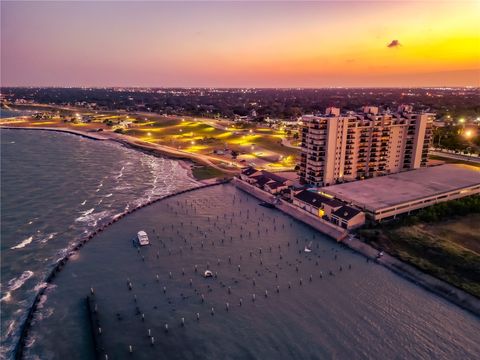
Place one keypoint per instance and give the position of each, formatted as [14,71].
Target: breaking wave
[17,283]
[23,243]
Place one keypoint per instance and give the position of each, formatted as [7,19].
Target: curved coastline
[129,141]
[447,292]
[24,329]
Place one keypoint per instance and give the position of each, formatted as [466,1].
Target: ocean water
[7,113]
[269,298]
[55,188]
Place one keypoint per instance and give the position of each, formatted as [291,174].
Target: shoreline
[439,287]
[435,285]
[75,248]
[186,161]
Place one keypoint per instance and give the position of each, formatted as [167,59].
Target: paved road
[455,156]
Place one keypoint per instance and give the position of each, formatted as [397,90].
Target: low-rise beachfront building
[328,208]
[315,203]
[270,182]
[386,197]
[247,172]
[322,206]
[348,217]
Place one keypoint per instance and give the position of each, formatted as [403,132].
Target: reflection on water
[269,299]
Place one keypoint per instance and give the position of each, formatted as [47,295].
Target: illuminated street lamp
[468,134]
[461,120]
[149,134]
[193,142]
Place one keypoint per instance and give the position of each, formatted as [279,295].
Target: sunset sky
[240,44]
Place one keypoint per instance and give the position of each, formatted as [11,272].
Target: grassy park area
[206,172]
[442,240]
[258,146]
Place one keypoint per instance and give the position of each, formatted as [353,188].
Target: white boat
[308,248]
[208,274]
[142,238]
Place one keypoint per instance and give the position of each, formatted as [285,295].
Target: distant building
[340,147]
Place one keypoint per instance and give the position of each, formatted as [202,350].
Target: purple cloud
[394,44]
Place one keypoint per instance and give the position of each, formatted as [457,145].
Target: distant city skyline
[240,44]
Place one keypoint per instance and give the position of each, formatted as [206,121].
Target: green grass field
[200,137]
[206,172]
[448,249]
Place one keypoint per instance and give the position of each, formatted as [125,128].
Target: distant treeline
[258,103]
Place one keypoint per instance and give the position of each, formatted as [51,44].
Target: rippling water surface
[269,298]
[55,188]
[330,303]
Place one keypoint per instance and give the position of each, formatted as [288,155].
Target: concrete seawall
[315,222]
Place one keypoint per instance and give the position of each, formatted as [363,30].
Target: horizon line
[237,87]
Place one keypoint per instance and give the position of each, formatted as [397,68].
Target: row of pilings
[25,328]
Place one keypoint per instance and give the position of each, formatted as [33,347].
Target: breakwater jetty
[77,245]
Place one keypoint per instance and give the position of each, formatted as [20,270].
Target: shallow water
[55,188]
[350,309]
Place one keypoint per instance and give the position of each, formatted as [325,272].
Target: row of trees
[273,103]
[455,137]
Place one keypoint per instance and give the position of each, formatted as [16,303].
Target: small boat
[208,274]
[142,238]
[267,205]
[308,248]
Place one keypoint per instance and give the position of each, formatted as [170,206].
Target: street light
[468,134]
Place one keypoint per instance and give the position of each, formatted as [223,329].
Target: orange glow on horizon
[287,44]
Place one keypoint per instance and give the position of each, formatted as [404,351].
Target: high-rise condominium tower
[348,146]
